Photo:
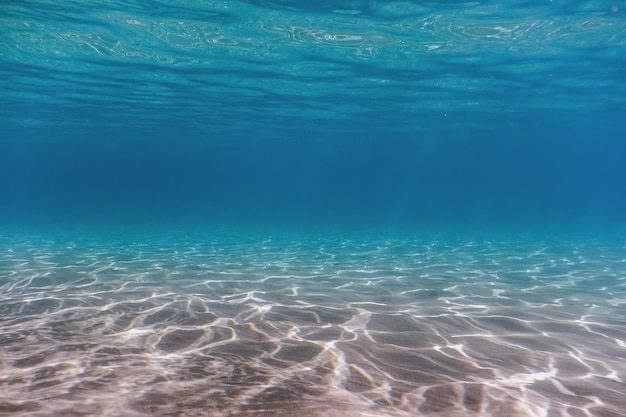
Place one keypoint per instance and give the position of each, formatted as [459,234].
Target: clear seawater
[332,208]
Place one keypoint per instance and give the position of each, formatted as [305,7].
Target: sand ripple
[311,326]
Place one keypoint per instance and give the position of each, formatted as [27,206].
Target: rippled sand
[311,326]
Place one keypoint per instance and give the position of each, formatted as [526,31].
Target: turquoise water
[355,208]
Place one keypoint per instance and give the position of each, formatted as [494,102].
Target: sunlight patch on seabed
[327,327]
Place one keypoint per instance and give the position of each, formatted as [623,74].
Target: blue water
[316,208]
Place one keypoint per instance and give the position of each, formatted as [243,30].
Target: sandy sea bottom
[311,326]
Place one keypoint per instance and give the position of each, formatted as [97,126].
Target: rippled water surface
[401,66]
